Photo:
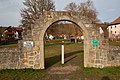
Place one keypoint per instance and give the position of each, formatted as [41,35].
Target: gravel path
[69,71]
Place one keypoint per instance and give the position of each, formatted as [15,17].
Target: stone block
[31,54]
[31,58]
[37,66]
[29,48]
[25,61]
[97,61]
[36,48]
[92,61]
[31,62]
[97,56]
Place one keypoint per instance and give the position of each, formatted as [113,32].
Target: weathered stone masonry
[32,55]
[10,58]
[90,54]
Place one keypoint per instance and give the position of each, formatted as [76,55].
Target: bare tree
[104,27]
[86,9]
[33,9]
[71,7]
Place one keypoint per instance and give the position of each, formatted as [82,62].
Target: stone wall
[114,56]
[32,56]
[9,58]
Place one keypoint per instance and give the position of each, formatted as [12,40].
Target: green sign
[95,43]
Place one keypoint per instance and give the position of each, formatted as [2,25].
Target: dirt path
[69,71]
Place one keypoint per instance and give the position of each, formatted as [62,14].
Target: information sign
[95,43]
[28,43]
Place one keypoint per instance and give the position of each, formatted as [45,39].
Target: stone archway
[80,25]
[35,53]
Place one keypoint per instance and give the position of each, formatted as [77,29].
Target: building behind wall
[10,33]
[114,29]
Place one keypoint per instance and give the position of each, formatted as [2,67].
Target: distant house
[98,27]
[10,33]
[100,30]
[102,27]
[114,29]
[50,37]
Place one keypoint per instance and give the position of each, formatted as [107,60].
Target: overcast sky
[10,10]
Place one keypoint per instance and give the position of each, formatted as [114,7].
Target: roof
[2,29]
[20,29]
[117,21]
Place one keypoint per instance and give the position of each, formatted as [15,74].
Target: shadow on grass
[53,60]
[70,58]
[105,78]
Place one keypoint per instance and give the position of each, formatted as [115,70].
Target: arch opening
[65,31]
[83,30]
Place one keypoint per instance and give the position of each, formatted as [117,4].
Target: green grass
[114,43]
[22,74]
[104,71]
[8,45]
[53,52]
[111,72]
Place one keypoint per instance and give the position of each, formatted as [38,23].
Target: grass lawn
[52,56]
[112,72]
[53,51]
[22,74]
[8,45]
[114,43]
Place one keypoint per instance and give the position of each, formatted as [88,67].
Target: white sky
[108,10]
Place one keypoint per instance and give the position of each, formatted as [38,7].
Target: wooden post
[62,52]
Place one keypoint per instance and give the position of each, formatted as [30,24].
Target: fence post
[62,52]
